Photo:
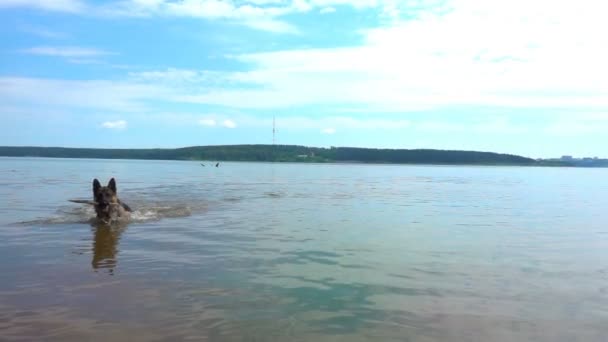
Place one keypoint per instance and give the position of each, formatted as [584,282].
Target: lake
[303,252]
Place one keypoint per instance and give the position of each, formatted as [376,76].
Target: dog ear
[96,186]
[112,185]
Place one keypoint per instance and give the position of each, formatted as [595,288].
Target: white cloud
[116,125]
[70,6]
[169,75]
[257,14]
[65,51]
[578,124]
[358,4]
[85,61]
[320,123]
[229,124]
[519,54]
[328,131]
[260,15]
[205,9]
[207,122]
[500,125]
[265,2]
[271,25]
[42,31]
[123,96]
[301,6]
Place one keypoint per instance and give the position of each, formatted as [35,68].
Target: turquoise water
[304,252]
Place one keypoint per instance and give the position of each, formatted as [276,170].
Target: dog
[107,205]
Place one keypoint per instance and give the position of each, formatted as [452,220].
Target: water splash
[146,212]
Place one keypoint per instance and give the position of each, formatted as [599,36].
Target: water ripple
[304,253]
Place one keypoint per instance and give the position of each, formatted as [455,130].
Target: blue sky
[523,77]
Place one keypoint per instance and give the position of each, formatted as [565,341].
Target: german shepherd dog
[107,205]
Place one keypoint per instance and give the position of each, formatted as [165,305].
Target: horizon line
[320,147]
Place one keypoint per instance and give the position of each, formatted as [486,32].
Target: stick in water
[83,201]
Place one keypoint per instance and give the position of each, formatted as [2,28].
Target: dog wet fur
[108,207]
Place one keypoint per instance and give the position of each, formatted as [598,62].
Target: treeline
[279,153]
[426,156]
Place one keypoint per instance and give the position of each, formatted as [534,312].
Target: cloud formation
[502,59]
[417,69]
[207,122]
[266,15]
[42,31]
[69,6]
[65,51]
[522,55]
[115,125]
[229,123]
[115,96]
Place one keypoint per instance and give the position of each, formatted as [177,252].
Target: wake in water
[145,212]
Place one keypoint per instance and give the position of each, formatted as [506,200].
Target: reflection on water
[276,252]
[105,245]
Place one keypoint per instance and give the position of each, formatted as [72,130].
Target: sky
[522,77]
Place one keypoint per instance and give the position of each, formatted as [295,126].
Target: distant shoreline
[291,153]
[284,162]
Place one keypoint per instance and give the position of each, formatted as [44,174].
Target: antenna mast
[274,130]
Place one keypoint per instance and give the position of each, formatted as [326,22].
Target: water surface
[304,252]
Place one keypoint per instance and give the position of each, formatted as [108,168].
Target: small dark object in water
[217,165]
[83,201]
[203,164]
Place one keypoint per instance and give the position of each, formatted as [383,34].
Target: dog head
[104,197]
